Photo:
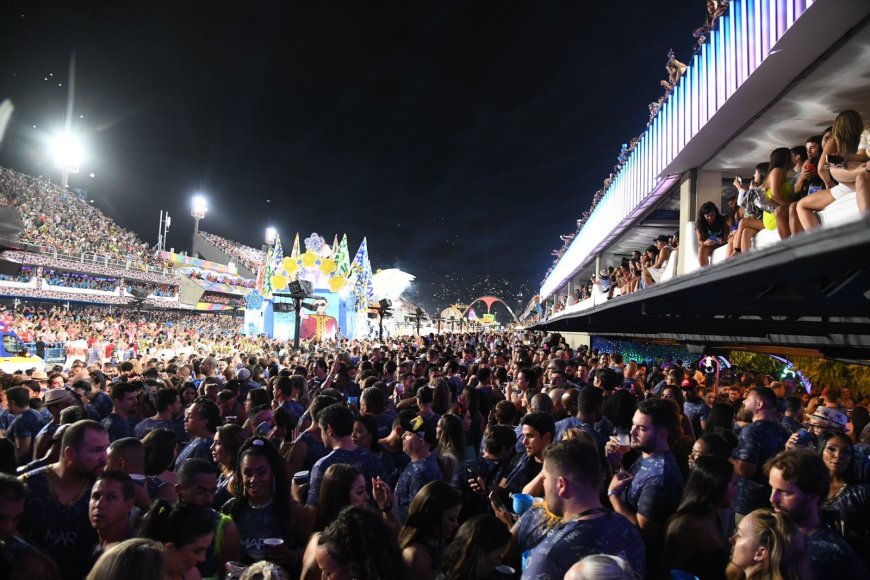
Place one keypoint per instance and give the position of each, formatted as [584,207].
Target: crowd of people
[58,218]
[249,257]
[90,267]
[23,277]
[787,192]
[79,281]
[471,455]
[220,279]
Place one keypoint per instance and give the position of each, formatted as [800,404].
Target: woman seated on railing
[842,160]
[777,191]
[746,208]
[711,230]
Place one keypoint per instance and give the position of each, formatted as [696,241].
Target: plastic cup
[301,477]
[682,575]
[522,503]
[272,542]
[234,570]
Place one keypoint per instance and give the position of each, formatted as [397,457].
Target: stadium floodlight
[67,152]
[199,207]
[271,235]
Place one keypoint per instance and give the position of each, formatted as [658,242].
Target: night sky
[461,137]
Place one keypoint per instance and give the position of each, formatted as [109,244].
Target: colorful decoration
[341,257]
[314,243]
[361,277]
[254,300]
[295,251]
[279,283]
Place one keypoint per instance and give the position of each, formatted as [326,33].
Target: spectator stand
[717,123]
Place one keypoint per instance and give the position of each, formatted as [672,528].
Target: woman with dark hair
[695,542]
[476,550]
[470,400]
[186,532]
[263,508]
[619,409]
[719,444]
[721,418]
[161,448]
[777,189]
[225,448]
[711,230]
[365,434]
[359,544]
[432,520]
[441,396]
[342,485]
[848,501]
[187,393]
[450,435]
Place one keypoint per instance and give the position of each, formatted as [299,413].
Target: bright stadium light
[67,152]
[271,235]
[198,207]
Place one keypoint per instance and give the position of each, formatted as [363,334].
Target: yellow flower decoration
[290,267]
[308,259]
[279,282]
[328,266]
[336,284]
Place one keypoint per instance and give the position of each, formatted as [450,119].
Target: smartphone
[353,401]
[497,497]
[834,159]
[739,179]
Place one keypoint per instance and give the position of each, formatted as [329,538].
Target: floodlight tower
[198,209]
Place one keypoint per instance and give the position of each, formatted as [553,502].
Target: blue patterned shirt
[657,487]
[416,475]
[567,543]
[757,442]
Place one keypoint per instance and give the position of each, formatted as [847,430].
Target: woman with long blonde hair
[769,546]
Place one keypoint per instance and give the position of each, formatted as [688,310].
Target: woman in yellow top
[777,188]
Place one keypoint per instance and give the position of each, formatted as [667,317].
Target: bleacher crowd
[249,257]
[219,279]
[453,456]
[60,219]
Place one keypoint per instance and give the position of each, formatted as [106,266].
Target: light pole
[271,235]
[198,209]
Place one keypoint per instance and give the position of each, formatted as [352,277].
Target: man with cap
[422,469]
[694,407]
[55,400]
[652,272]
[40,377]
[245,383]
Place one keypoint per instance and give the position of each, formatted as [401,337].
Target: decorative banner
[295,251]
[254,300]
[342,259]
[181,260]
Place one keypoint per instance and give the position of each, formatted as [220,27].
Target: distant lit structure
[198,209]
[67,154]
[271,236]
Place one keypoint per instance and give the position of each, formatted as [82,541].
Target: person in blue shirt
[201,420]
[26,424]
[757,443]
[336,430]
[56,514]
[649,493]
[800,481]
[125,401]
[422,469]
[572,480]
